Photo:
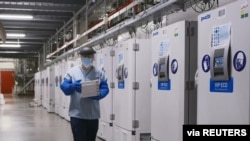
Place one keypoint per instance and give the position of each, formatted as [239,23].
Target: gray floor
[20,122]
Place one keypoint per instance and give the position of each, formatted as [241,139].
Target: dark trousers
[84,130]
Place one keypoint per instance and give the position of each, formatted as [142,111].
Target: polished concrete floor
[21,122]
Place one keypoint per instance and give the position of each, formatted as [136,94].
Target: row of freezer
[47,88]
[190,72]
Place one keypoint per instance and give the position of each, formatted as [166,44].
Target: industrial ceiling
[48,17]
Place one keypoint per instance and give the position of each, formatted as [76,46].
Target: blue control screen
[218,61]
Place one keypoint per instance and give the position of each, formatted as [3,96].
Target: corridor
[21,122]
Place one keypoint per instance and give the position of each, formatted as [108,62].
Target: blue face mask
[87,62]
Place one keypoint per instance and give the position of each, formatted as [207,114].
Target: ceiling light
[15,35]
[9,42]
[10,45]
[16,17]
[48,60]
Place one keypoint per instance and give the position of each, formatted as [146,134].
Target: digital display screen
[218,61]
[162,67]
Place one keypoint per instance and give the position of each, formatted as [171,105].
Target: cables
[109,43]
[200,6]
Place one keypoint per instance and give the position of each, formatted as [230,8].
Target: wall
[6,76]
[7,81]
[7,65]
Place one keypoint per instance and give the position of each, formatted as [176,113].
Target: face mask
[87,62]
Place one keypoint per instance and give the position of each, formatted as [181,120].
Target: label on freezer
[221,13]
[221,86]
[205,63]
[205,17]
[121,57]
[164,85]
[101,61]
[221,35]
[174,66]
[243,12]
[121,85]
[164,48]
[155,69]
[176,31]
[239,61]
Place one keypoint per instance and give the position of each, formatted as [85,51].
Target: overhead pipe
[115,29]
[66,24]
[123,10]
[71,20]
[129,23]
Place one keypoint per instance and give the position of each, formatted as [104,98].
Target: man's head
[87,57]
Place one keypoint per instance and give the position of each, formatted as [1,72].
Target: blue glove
[77,86]
[103,90]
[66,87]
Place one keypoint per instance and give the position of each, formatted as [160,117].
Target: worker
[84,112]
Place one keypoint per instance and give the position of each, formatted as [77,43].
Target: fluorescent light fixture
[48,60]
[15,35]
[10,45]
[9,42]
[16,17]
